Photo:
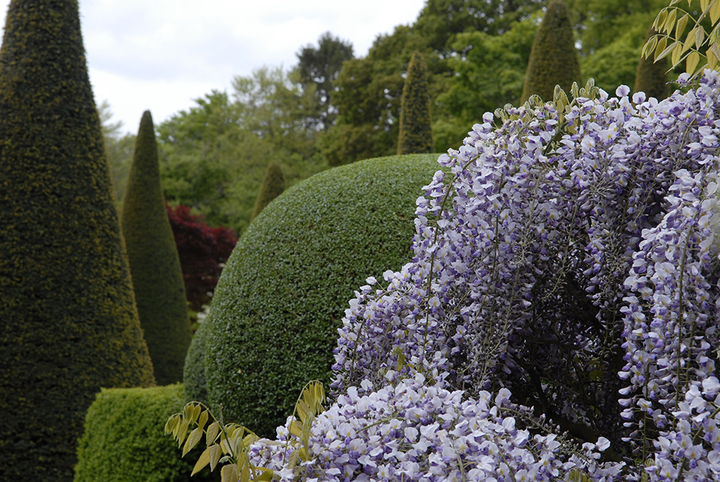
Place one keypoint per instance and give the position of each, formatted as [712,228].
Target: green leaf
[215,454]
[692,62]
[690,40]
[670,21]
[660,20]
[229,473]
[192,440]
[699,37]
[212,431]
[660,47]
[715,12]
[667,51]
[202,462]
[203,420]
[682,23]
[266,475]
[182,432]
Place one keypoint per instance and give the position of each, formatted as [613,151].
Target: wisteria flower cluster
[567,256]
[414,432]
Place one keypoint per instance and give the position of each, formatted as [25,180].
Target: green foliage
[154,263]
[489,74]
[683,35]
[194,371]
[274,318]
[317,70]
[69,322]
[415,136]
[124,441]
[118,149]
[272,186]
[652,77]
[553,59]
[228,443]
[213,156]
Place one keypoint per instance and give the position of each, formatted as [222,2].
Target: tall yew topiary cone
[68,321]
[415,135]
[553,58]
[154,262]
[272,186]
[651,76]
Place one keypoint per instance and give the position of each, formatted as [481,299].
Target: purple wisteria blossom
[559,319]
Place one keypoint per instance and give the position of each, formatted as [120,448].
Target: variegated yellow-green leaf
[307,425]
[670,21]
[690,40]
[659,48]
[715,49]
[649,46]
[171,424]
[182,432]
[302,409]
[699,37]
[250,439]
[712,60]
[202,462]
[196,412]
[681,24]
[659,22]
[192,440]
[245,473]
[676,54]
[704,4]
[292,460]
[303,454]
[265,475]
[203,419]
[715,12]
[667,51]
[188,411]
[215,453]
[296,428]
[229,473]
[212,431]
[692,62]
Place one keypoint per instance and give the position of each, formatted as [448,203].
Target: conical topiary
[651,76]
[154,262]
[272,186]
[415,136]
[68,321]
[553,58]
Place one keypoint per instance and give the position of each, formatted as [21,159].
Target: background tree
[553,59]
[317,70]
[273,185]
[203,252]
[415,135]
[69,322]
[154,264]
[119,149]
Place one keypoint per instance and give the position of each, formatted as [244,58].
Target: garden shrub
[278,305]
[194,374]
[124,440]
[272,186]
[415,132]
[154,263]
[69,321]
[553,58]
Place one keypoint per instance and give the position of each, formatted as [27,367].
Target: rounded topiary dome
[281,298]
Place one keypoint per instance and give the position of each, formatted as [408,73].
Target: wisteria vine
[565,261]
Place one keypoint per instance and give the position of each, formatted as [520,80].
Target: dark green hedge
[68,321]
[154,262]
[194,375]
[125,441]
[553,58]
[283,293]
[272,186]
[415,131]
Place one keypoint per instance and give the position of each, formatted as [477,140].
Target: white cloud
[161,54]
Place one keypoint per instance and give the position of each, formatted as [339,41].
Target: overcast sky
[162,54]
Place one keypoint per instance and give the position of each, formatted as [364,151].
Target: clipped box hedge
[280,300]
[125,441]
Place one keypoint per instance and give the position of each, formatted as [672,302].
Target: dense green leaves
[553,59]
[415,136]
[154,263]
[68,322]
[274,318]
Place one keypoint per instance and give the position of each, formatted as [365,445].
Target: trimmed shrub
[651,76]
[69,324]
[553,59]
[125,441]
[415,136]
[154,263]
[272,186]
[273,321]
[194,375]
